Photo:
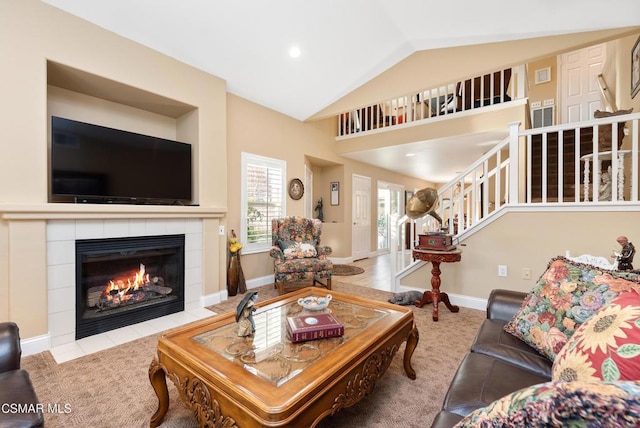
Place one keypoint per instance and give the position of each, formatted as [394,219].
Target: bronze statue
[244,314]
[625,257]
[424,202]
[319,209]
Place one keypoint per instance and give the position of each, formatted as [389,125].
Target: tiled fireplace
[123,281]
[62,270]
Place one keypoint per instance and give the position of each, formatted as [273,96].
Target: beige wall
[278,136]
[36,35]
[528,240]
[546,90]
[418,72]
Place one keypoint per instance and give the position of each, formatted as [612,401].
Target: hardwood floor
[377,273]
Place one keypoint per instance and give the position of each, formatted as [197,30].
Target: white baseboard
[222,295]
[260,281]
[457,299]
[468,301]
[35,345]
[341,260]
[213,299]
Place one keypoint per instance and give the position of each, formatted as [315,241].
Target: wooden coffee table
[265,380]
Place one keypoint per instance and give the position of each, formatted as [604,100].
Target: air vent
[542,117]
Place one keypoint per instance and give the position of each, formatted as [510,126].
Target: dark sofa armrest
[10,351]
[503,304]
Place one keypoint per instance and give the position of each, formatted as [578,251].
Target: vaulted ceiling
[344,44]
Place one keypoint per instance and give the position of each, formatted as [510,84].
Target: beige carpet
[111,388]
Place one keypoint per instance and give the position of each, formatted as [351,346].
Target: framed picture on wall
[335,193]
[635,68]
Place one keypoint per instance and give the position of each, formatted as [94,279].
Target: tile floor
[112,338]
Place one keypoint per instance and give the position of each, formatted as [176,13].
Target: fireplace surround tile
[122,335]
[61,236]
[60,276]
[116,228]
[89,229]
[59,301]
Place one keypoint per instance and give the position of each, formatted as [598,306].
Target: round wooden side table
[435,295]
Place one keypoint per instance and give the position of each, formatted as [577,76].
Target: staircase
[530,170]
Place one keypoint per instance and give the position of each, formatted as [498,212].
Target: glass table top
[270,354]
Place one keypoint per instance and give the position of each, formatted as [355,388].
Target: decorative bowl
[315,303]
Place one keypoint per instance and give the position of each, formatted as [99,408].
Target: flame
[121,287]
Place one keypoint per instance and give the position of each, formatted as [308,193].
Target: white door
[361,217]
[579,72]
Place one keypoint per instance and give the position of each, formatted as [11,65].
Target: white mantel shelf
[65,211]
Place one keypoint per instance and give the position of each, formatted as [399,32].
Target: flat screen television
[96,164]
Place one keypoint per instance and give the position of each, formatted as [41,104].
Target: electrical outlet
[526,273]
[502,270]
[221,230]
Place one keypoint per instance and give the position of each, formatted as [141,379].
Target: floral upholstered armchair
[297,252]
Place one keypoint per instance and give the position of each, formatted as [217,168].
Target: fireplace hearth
[123,281]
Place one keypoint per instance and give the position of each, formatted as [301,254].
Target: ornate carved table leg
[412,342]
[432,295]
[444,298]
[158,379]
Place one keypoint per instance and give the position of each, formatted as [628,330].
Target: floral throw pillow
[298,250]
[606,347]
[565,296]
[563,404]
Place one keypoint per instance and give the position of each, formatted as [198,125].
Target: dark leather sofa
[19,405]
[497,364]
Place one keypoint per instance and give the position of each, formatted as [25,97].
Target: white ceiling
[344,43]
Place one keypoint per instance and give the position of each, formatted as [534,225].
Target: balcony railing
[472,93]
[585,165]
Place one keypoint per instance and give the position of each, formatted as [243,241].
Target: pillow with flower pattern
[563,404]
[298,250]
[605,347]
[566,295]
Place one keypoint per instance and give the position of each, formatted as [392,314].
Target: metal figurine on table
[244,314]
[625,256]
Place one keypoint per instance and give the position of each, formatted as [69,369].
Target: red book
[314,326]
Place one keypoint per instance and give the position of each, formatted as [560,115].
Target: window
[262,199]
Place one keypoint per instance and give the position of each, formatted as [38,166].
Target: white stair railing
[495,182]
[471,93]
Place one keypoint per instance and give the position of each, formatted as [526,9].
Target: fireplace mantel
[63,211]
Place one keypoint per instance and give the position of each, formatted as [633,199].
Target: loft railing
[471,93]
[572,166]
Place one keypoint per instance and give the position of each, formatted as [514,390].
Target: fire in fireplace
[130,290]
[123,281]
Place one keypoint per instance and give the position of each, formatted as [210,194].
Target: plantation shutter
[264,200]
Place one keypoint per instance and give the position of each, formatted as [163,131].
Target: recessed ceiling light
[410,154]
[295,52]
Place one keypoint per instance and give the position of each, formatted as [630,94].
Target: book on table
[314,326]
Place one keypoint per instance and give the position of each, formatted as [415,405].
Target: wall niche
[82,96]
